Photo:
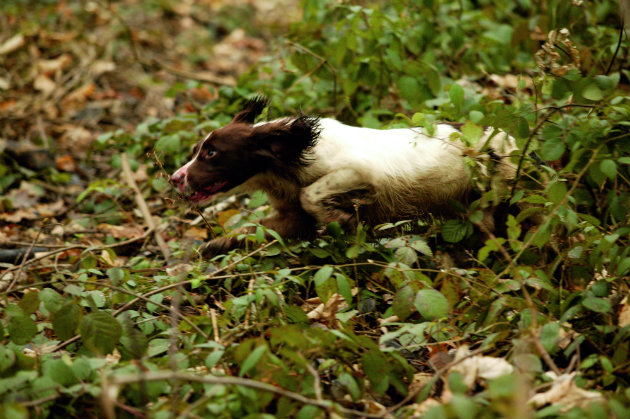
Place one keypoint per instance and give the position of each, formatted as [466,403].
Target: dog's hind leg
[336,197]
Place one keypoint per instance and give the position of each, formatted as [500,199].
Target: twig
[612,60]
[122,380]
[325,62]
[30,248]
[215,325]
[79,246]
[142,205]
[203,77]
[541,349]
[317,386]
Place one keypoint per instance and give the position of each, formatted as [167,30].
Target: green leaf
[350,384]
[456,94]
[29,302]
[343,287]
[324,286]
[464,406]
[59,371]
[169,144]
[549,337]
[100,332]
[431,304]
[7,358]
[52,300]
[134,342]
[557,191]
[406,255]
[553,149]
[421,246]
[472,132]
[598,305]
[592,92]
[213,358]
[522,128]
[66,320]
[403,303]
[623,267]
[454,231]
[376,368]
[434,82]
[322,274]
[252,359]
[410,89]
[21,329]
[116,275]
[609,168]
[475,116]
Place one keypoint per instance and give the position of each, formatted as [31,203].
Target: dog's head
[231,155]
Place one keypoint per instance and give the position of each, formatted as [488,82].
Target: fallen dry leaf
[121,232]
[79,95]
[564,392]
[511,81]
[196,233]
[44,84]
[12,44]
[420,409]
[328,310]
[624,313]
[76,137]
[66,163]
[51,67]
[99,67]
[484,367]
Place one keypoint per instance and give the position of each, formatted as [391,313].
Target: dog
[318,170]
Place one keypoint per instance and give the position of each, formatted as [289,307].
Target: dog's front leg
[335,197]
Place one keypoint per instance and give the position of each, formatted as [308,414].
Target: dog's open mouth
[207,192]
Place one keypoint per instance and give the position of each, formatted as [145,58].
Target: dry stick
[28,252]
[172,346]
[208,78]
[79,246]
[115,382]
[142,205]
[612,60]
[325,62]
[215,325]
[317,386]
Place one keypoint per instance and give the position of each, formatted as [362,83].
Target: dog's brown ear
[251,109]
[287,141]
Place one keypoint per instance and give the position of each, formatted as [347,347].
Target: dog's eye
[208,154]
